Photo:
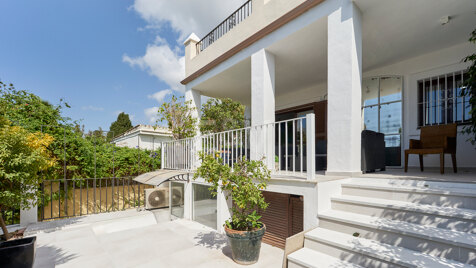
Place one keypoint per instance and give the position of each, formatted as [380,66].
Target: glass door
[382,112]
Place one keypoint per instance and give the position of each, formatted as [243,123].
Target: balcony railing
[229,23]
[287,147]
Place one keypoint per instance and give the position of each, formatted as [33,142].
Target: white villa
[313,75]
[143,137]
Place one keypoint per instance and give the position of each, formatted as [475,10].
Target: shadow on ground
[214,240]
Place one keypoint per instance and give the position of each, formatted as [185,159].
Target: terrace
[135,239]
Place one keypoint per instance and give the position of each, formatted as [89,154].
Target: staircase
[394,223]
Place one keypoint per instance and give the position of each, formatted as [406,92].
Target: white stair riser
[415,197]
[455,224]
[435,248]
[292,264]
[346,255]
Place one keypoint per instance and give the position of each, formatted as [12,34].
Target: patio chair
[434,140]
[373,151]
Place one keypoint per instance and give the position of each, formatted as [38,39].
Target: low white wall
[142,141]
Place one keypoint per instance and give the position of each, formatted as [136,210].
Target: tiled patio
[136,239]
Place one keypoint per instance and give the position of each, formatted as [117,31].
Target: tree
[222,114]
[22,156]
[121,125]
[245,183]
[179,116]
[469,90]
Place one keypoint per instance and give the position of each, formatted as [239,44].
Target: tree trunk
[4,228]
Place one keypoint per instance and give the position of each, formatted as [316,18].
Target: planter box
[19,253]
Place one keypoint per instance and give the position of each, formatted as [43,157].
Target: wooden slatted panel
[297,217]
[276,218]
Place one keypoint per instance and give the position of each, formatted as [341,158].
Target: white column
[262,106]
[30,215]
[188,200]
[344,90]
[196,102]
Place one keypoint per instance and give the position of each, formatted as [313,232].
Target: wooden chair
[435,140]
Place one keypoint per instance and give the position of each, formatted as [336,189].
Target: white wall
[432,64]
[143,141]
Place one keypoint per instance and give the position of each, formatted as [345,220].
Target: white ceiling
[392,31]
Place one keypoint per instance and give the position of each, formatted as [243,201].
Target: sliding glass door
[382,112]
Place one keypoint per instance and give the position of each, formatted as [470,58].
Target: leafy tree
[244,183]
[222,114]
[22,156]
[470,90]
[121,125]
[179,116]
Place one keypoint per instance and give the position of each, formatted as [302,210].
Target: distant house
[143,137]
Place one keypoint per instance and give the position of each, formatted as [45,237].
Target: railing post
[162,156]
[311,146]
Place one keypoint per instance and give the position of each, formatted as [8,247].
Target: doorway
[382,112]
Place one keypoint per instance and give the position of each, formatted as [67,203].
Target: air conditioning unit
[159,197]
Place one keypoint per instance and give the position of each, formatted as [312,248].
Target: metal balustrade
[229,23]
[287,147]
[180,154]
[89,196]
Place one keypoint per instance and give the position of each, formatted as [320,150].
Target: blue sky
[102,56]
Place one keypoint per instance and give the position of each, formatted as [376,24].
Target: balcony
[286,147]
[223,28]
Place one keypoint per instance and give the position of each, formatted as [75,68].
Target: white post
[223,210]
[344,90]
[188,201]
[162,156]
[262,107]
[196,102]
[28,216]
[311,146]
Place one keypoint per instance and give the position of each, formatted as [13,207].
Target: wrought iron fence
[11,217]
[78,197]
[229,23]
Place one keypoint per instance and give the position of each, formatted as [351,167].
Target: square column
[195,99]
[344,90]
[262,107]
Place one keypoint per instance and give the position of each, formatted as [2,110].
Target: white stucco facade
[323,54]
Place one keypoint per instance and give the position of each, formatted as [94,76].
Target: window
[440,101]
[382,112]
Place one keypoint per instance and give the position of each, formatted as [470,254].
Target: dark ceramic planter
[18,253]
[245,245]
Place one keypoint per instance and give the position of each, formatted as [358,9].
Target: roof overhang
[155,178]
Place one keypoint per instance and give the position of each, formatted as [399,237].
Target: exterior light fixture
[444,20]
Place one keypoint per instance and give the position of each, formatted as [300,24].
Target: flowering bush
[243,184]
[22,156]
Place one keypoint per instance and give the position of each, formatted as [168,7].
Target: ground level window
[440,101]
[204,206]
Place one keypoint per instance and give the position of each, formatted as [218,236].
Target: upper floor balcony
[249,23]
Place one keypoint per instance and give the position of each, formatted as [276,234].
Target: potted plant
[22,156]
[243,184]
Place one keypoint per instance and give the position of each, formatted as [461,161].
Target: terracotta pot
[245,245]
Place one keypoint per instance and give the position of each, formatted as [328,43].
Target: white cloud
[152,114]
[92,108]
[162,62]
[159,96]
[185,16]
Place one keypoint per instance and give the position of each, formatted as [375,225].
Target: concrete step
[438,242]
[370,253]
[308,258]
[455,219]
[457,195]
